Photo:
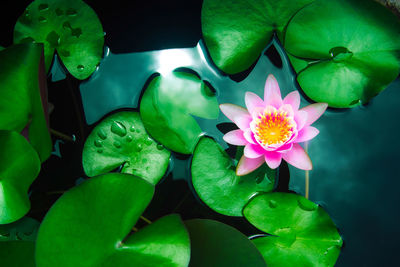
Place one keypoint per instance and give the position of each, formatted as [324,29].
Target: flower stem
[62,136]
[145,219]
[307,175]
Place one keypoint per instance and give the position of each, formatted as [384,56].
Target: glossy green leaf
[17,253]
[23,229]
[168,106]
[341,65]
[236,32]
[70,27]
[217,244]
[90,225]
[302,233]
[22,91]
[214,179]
[120,139]
[19,166]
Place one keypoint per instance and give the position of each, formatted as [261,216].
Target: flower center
[273,127]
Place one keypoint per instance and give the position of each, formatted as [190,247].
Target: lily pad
[22,92]
[216,244]
[91,224]
[23,229]
[215,181]
[19,166]
[17,253]
[236,32]
[121,140]
[341,65]
[168,106]
[70,27]
[302,233]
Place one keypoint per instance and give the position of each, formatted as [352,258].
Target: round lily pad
[216,183]
[70,27]
[19,166]
[236,32]
[91,225]
[216,244]
[121,139]
[168,106]
[341,65]
[301,232]
[17,253]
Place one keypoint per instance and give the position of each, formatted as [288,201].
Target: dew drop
[76,32]
[59,12]
[43,7]
[80,67]
[98,143]
[306,204]
[42,19]
[132,129]
[340,54]
[160,147]
[53,39]
[102,134]
[272,204]
[139,147]
[129,138]
[117,144]
[118,128]
[137,130]
[100,150]
[144,160]
[71,12]
[66,25]
[148,141]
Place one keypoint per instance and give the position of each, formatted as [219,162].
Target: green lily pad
[23,229]
[217,244]
[22,83]
[90,225]
[168,106]
[236,32]
[121,139]
[70,27]
[341,65]
[17,253]
[302,233]
[19,166]
[214,179]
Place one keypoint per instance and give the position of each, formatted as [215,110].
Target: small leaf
[70,27]
[303,234]
[167,107]
[17,253]
[120,139]
[19,166]
[215,181]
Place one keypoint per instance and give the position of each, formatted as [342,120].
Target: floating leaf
[22,91]
[167,107]
[90,225]
[19,166]
[23,229]
[217,244]
[216,183]
[236,32]
[17,253]
[121,139]
[341,65]
[70,27]
[303,234]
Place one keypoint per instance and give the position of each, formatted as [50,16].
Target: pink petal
[240,116]
[285,147]
[257,111]
[235,137]
[273,159]
[293,99]
[272,93]
[288,109]
[253,101]
[298,158]
[314,111]
[300,118]
[249,136]
[253,151]
[307,133]
[246,165]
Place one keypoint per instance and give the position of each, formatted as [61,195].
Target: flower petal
[235,137]
[288,109]
[249,136]
[272,93]
[273,159]
[253,151]
[298,158]
[293,99]
[240,116]
[246,165]
[300,118]
[253,101]
[314,111]
[307,133]
[285,147]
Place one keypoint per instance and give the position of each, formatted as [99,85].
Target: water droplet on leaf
[117,144]
[148,141]
[80,67]
[102,134]
[118,128]
[42,19]
[132,129]
[272,204]
[144,160]
[98,143]
[340,54]
[43,7]
[160,147]
[100,150]
[71,12]
[53,39]
[306,204]
[129,138]
[139,147]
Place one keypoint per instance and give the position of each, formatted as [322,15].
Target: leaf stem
[62,135]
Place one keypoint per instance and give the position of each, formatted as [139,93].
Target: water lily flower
[271,129]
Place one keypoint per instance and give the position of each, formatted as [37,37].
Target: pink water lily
[271,129]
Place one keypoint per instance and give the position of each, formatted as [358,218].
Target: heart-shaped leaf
[215,181]
[19,166]
[236,32]
[17,253]
[70,27]
[90,225]
[302,233]
[23,229]
[121,139]
[22,92]
[217,244]
[341,65]
[167,107]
